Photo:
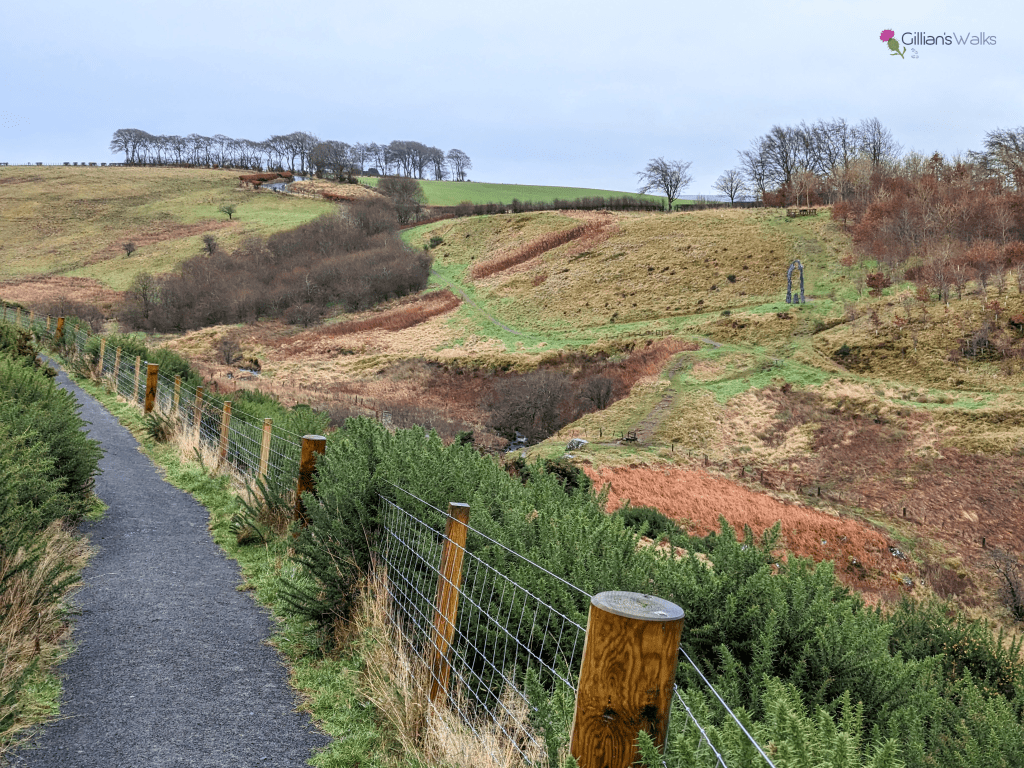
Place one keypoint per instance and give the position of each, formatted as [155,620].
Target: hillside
[68,224]
[847,416]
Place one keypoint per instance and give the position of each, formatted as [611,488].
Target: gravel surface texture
[171,666]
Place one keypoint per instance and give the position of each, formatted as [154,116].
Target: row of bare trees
[299,152]
[946,217]
[832,160]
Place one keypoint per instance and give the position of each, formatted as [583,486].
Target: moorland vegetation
[880,423]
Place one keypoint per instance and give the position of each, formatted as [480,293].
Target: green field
[72,221]
[455,192]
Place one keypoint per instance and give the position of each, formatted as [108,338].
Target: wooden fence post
[627,677]
[60,329]
[138,374]
[117,368]
[175,402]
[197,416]
[268,426]
[152,371]
[225,422]
[17,319]
[312,446]
[103,352]
[446,608]
[47,323]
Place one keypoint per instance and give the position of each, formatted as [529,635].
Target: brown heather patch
[44,289]
[425,307]
[531,250]
[698,501]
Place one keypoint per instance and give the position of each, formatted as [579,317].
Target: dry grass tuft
[32,625]
[397,682]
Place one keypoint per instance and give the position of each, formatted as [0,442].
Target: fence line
[502,631]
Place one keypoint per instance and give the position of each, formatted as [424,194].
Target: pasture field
[476,192]
[71,221]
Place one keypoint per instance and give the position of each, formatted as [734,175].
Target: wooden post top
[633,605]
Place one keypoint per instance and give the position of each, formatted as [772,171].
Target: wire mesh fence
[247,449]
[502,633]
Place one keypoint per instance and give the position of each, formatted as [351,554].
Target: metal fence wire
[502,631]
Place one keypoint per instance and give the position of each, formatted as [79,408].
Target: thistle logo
[889,38]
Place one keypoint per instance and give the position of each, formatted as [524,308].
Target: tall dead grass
[32,623]
[533,249]
[397,683]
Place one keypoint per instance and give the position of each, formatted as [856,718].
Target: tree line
[300,152]
[833,160]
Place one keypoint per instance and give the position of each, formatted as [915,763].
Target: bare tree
[438,164]
[460,163]
[731,184]
[598,391]
[532,404]
[406,193]
[754,164]
[330,158]
[359,154]
[669,177]
[129,248]
[210,244]
[1004,155]
[877,142]
[805,183]
[228,210]
[142,292]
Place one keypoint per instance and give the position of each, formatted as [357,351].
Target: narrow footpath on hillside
[171,666]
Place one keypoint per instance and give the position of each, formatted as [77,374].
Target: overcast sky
[552,92]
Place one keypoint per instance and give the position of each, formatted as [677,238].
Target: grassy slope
[455,192]
[72,221]
[900,430]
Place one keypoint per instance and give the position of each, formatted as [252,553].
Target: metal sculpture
[790,299]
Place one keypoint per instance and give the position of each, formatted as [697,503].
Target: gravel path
[170,667]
